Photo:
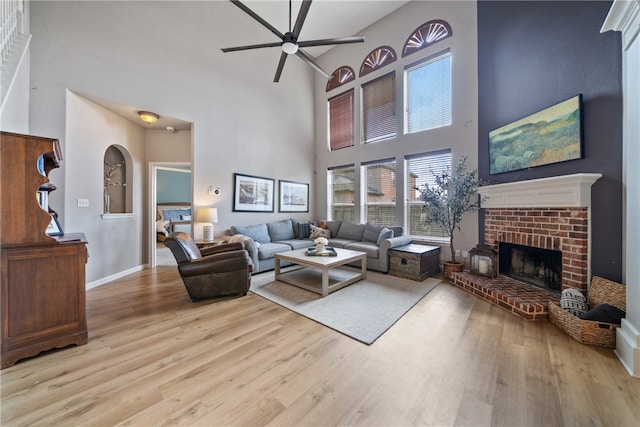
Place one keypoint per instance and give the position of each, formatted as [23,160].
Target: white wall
[461,136]
[14,115]
[115,244]
[165,57]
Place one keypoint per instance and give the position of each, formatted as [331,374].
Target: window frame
[408,69]
[363,103]
[365,204]
[350,93]
[441,236]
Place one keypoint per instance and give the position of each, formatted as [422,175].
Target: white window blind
[421,169]
[341,121]
[380,185]
[379,118]
[428,94]
[341,185]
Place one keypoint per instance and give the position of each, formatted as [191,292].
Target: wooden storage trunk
[592,332]
[415,262]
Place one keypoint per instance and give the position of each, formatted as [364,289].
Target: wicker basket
[592,332]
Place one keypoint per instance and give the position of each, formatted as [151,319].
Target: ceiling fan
[289,41]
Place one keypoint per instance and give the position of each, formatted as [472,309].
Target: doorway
[169,192]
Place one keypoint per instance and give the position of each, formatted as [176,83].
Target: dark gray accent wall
[532,55]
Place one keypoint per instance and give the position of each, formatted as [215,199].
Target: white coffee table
[324,264]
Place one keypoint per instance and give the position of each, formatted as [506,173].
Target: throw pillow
[319,232]
[605,313]
[574,302]
[385,233]
[304,230]
[185,217]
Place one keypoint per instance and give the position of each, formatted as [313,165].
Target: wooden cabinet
[415,262]
[43,277]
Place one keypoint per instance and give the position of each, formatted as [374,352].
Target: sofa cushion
[371,233]
[371,249]
[297,243]
[268,250]
[258,232]
[319,232]
[398,230]
[351,231]
[334,226]
[281,230]
[385,233]
[339,243]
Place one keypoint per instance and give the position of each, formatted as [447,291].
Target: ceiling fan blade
[255,16]
[324,42]
[251,46]
[302,15]
[283,58]
[309,60]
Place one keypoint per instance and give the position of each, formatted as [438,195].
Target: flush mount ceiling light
[147,117]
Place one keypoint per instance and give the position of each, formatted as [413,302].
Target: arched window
[117,195]
[342,75]
[379,57]
[425,35]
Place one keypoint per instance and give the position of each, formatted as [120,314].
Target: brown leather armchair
[213,272]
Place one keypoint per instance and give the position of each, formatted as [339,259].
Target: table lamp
[207,216]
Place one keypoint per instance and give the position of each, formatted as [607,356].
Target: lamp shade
[208,215]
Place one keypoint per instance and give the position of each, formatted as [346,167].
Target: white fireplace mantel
[564,191]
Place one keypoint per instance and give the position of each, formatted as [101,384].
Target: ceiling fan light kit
[289,41]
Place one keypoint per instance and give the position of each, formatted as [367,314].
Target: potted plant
[445,202]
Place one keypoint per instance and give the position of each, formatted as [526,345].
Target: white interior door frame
[154,167]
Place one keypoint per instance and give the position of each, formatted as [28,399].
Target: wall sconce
[148,117]
[207,216]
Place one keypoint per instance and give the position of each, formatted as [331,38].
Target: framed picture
[294,196]
[54,228]
[252,193]
[549,136]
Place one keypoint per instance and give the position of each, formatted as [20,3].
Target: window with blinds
[421,169]
[341,121]
[380,184]
[428,94]
[341,185]
[379,118]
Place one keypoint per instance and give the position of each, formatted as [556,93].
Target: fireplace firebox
[536,266]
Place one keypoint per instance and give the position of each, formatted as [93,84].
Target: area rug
[363,311]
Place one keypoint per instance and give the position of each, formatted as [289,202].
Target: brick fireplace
[549,213]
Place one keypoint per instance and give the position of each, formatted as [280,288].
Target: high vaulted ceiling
[326,19]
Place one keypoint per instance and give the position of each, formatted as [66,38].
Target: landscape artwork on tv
[549,136]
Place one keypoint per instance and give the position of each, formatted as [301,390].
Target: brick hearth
[519,298]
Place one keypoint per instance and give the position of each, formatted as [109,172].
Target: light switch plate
[83,203]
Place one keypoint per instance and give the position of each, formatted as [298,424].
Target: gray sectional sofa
[263,241]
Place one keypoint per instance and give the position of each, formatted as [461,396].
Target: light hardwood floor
[155,358]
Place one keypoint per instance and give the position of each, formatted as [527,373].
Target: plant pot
[448,268]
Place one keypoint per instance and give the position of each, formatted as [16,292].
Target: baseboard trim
[628,347]
[113,277]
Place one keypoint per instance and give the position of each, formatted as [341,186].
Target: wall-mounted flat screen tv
[549,136]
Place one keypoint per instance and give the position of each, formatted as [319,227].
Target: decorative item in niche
[294,196]
[110,170]
[552,135]
[252,193]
